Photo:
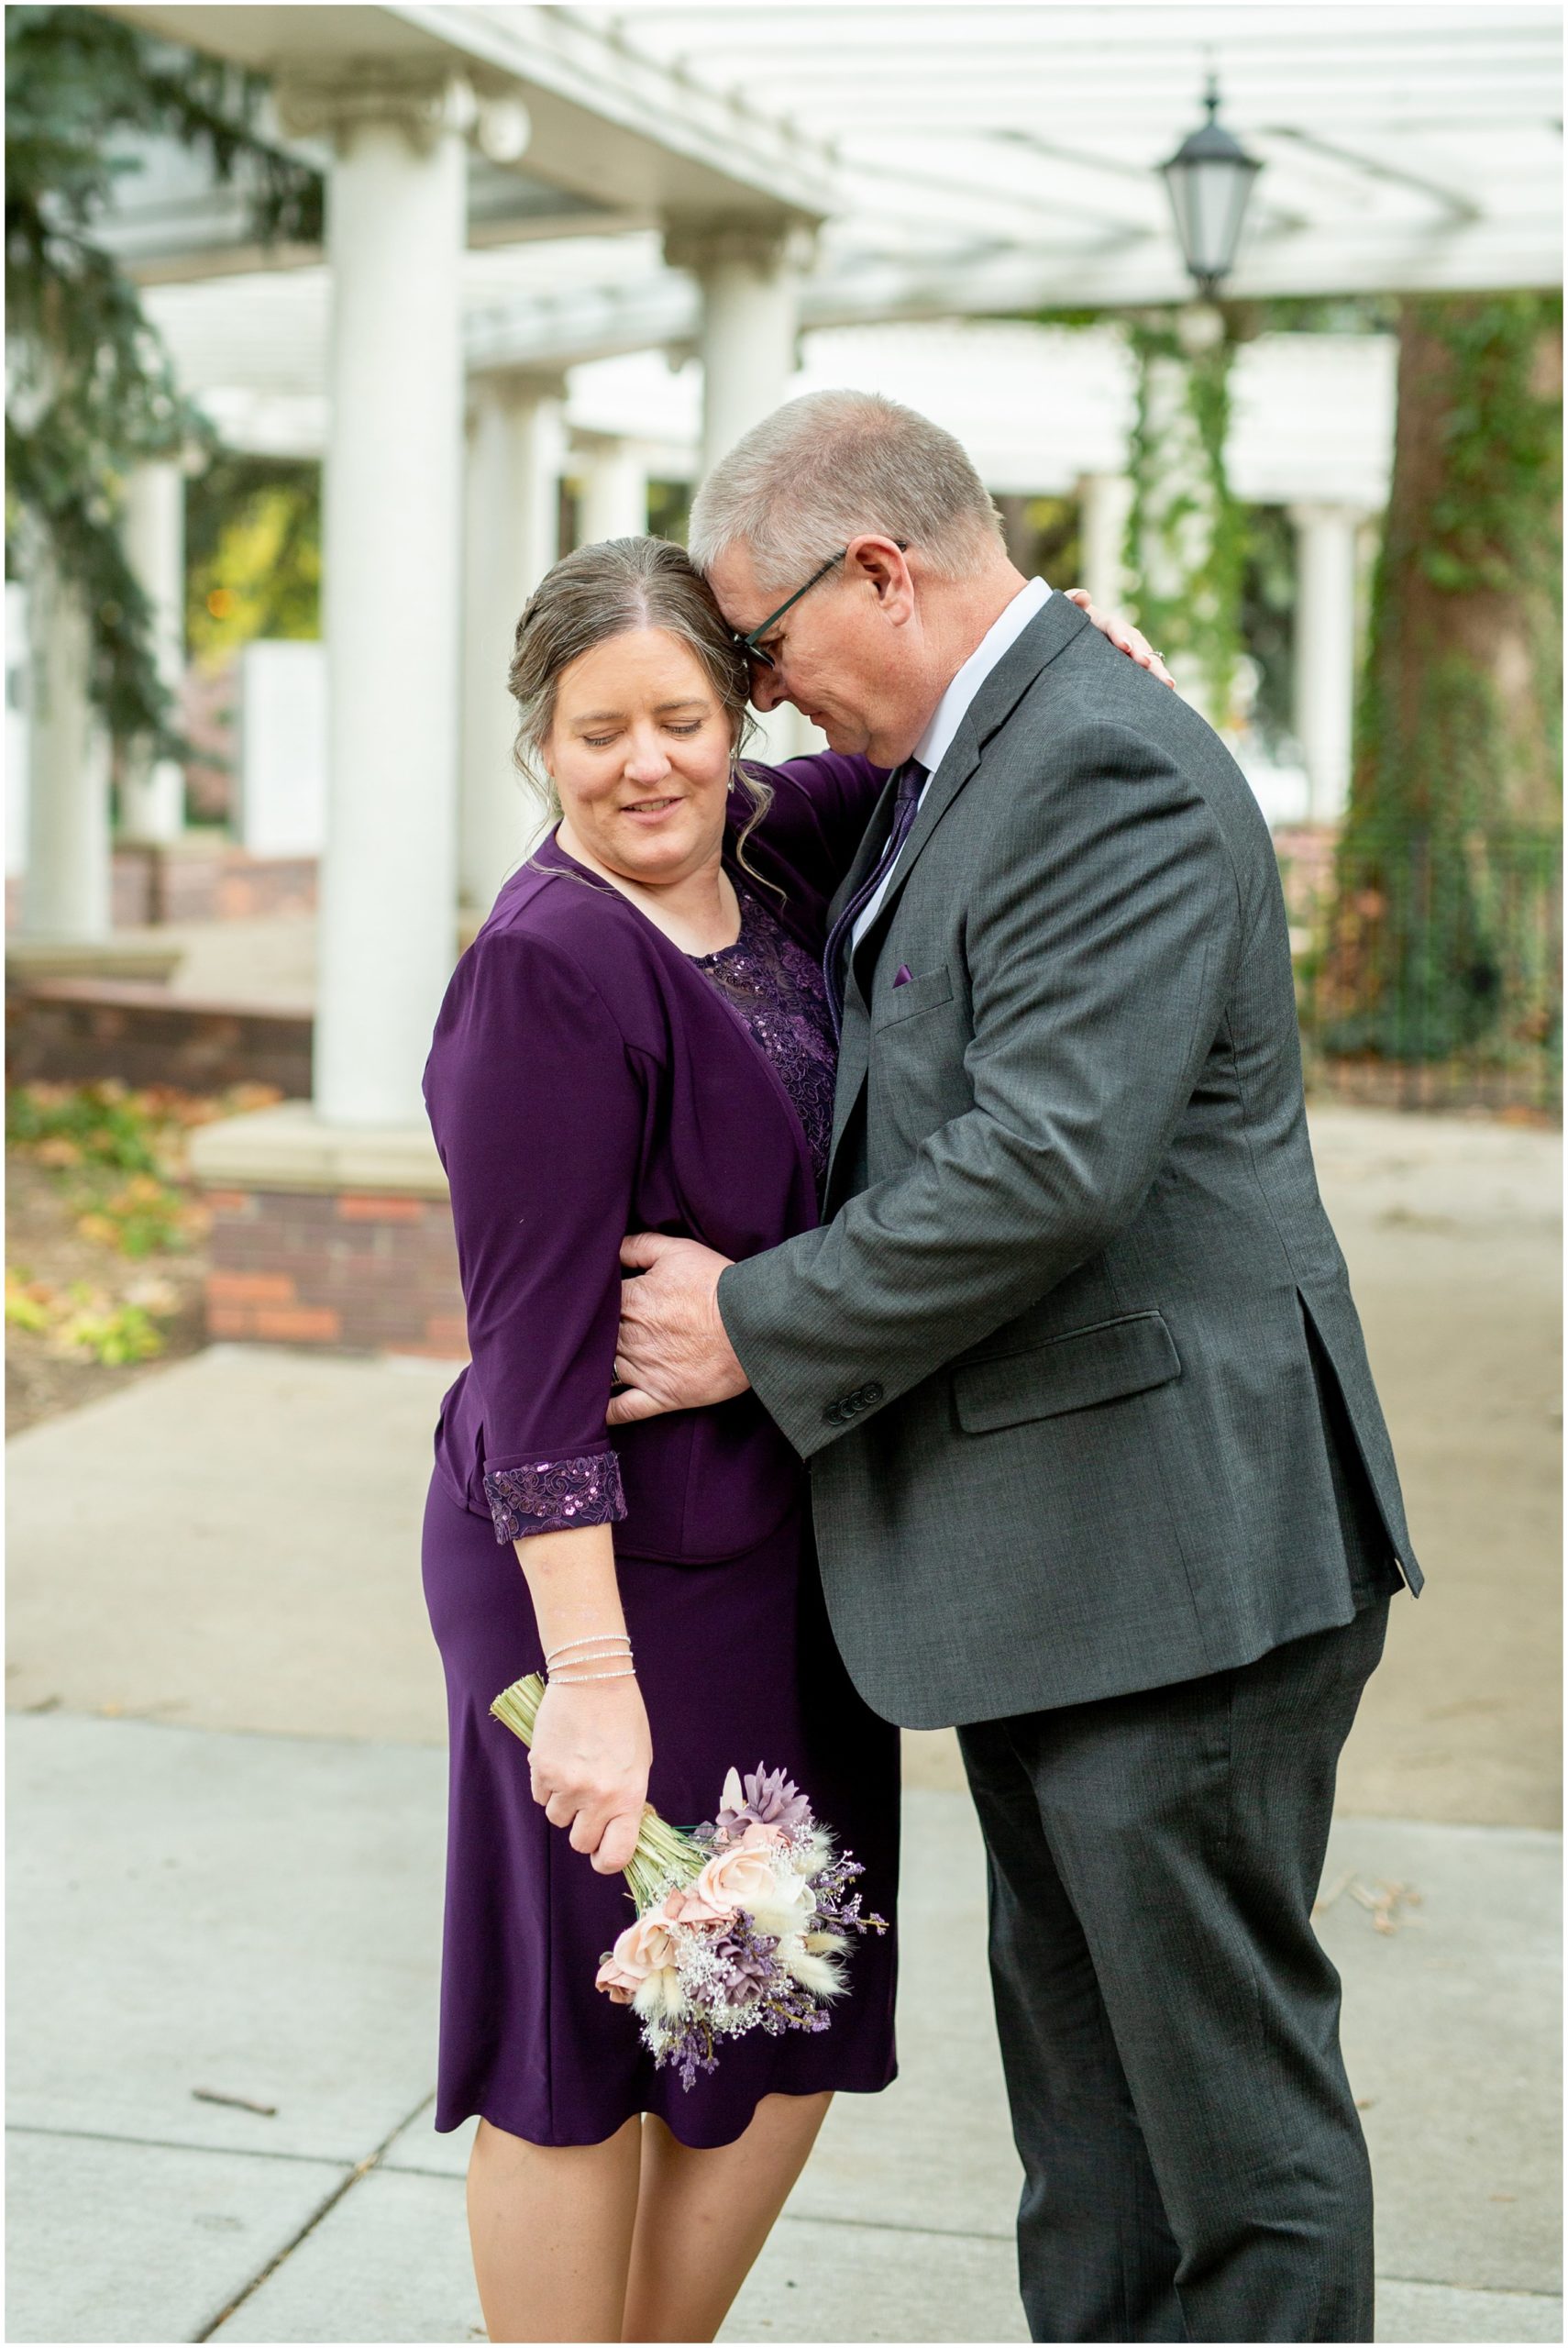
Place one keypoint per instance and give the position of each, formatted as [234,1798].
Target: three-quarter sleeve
[538,1105]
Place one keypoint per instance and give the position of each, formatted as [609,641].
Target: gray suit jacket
[1047,1357]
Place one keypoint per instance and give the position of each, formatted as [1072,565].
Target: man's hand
[671,1352]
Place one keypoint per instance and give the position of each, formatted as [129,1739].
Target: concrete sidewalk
[256,1918]
[226,1793]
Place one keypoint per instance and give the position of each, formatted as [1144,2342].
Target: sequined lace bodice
[781,997]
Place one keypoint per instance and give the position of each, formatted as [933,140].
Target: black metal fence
[1429,966]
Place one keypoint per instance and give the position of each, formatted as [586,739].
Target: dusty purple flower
[691,2052]
[765,1798]
[747,1962]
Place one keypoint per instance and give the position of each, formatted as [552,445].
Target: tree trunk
[1443,936]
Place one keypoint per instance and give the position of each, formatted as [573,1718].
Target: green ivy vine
[1187,540]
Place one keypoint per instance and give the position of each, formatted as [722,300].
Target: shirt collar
[1000,638]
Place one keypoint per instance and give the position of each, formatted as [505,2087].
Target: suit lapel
[871,844]
[1049,632]
[855,1042]
[962,757]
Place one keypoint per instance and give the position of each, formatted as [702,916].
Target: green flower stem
[663,1852]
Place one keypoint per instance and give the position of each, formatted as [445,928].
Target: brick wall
[217,883]
[196,881]
[368,1271]
[1306,853]
[75,1031]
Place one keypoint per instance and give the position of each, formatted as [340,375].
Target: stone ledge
[289,1148]
[29,960]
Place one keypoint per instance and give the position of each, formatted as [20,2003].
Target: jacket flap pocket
[1066,1373]
[923,994]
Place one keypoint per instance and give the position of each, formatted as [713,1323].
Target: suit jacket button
[872,1393]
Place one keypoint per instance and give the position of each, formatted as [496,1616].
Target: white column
[152,791]
[18,705]
[1105,508]
[751,283]
[66,893]
[396,219]
[516,446]
[614,488]
[1325,652]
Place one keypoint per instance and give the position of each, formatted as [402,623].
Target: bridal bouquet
[742,1923]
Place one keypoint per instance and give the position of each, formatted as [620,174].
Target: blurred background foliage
[253,553]
[90,391]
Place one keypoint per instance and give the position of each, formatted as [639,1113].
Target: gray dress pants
[1194,2164]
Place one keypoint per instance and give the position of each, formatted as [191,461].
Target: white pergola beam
[1316,261]
[618,127]
[586,320]
[688,150]
[716,41]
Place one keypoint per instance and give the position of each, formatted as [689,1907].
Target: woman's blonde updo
[611,589]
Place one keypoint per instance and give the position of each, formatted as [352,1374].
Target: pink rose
[618,1982]
[643,1948]
[742,1877]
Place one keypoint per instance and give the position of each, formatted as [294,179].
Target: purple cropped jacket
[585,1080]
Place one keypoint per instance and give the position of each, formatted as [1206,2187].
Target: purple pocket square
[903,975]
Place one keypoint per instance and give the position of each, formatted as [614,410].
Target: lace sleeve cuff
[554,1495]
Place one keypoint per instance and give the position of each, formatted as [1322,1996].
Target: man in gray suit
[1097,1468]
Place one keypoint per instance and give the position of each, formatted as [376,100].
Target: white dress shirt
[948,715]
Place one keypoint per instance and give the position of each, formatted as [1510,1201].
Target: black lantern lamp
[1209,179]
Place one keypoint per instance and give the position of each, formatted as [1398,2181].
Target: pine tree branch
[92,389]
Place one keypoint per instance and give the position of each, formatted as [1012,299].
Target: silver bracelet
[599,1639]
[583,1677]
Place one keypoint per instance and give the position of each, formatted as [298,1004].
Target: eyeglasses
[750,646]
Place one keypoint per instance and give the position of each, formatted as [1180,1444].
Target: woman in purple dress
[639,1039]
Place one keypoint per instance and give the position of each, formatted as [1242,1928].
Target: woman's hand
[1123,634]
[589,1764]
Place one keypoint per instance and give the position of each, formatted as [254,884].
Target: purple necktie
[906,801]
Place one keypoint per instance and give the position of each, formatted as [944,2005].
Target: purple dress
[588,1078]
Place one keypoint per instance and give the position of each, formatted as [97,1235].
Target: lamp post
[1210,181]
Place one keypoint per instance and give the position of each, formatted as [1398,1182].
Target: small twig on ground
[240,2102]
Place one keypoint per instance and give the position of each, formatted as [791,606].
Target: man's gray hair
[836,466]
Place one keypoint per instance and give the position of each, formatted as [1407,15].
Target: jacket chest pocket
[916,1080]
[923,993]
